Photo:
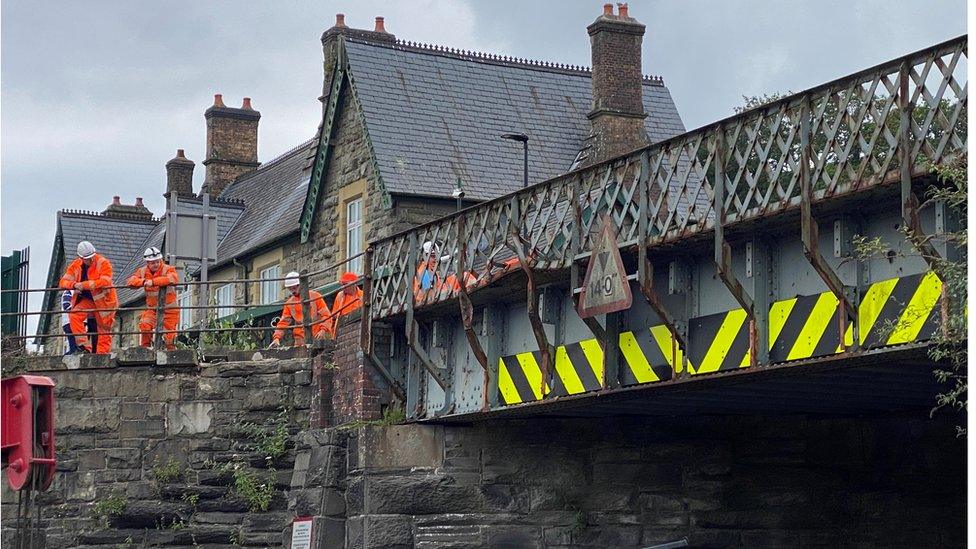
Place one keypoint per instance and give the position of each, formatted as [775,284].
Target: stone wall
[147,452]
[896,481]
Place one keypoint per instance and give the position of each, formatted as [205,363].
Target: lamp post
[524,139]
[458,193]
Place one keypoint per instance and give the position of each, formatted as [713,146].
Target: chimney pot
[139,202]
[180,153]
[247,104]
[617,114]
[340,20]
[116,201]
[218,100]
[379,25]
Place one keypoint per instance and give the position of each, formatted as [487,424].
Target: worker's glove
[274,344]
[79,286]
[147,283]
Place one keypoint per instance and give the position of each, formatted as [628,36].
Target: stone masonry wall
[896,481]
[153,448]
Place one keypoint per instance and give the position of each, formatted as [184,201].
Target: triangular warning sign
[605,288]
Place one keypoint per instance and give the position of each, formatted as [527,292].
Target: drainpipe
[247,296]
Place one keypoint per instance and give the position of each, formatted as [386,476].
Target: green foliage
[579,524]
[114,505]
[168,472]
[254,491]
[949,344]
[391,416]
[250,488]
[245,341]
[192,499]
[271,443]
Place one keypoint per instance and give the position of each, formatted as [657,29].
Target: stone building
[403,125]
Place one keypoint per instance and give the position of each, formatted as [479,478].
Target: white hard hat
[430,248]
[152,253]
[85,249]
[291,279]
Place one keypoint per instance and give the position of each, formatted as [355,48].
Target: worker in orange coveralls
[90,274]
[349,298]
[157,276]
[291,314]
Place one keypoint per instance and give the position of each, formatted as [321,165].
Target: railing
[210,326]
[854,133]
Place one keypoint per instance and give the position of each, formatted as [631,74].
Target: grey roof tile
[457,107]
[113,237]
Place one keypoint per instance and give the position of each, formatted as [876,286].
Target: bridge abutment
[748,481]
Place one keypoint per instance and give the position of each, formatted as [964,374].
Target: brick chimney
[179,175]
[127,211]
[330,39]
[232,143]
[617,118]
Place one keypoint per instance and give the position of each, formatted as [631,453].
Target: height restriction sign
[605,288]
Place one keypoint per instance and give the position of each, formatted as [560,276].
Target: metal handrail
[200,328]
[666,192]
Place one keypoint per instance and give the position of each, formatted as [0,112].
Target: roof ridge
[116,216]
[494,58]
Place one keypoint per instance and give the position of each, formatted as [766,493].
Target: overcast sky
[97,96]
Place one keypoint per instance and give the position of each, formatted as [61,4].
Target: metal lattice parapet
[858,132]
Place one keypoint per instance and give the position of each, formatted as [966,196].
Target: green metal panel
[9,302]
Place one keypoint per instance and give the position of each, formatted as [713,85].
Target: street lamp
[524,139]
[458,193]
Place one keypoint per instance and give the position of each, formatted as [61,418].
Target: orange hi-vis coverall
[160,280]
[96,293]
[345,304]
[291,314]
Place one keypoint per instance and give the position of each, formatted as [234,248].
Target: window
[224,296]
[270,288]
[184,300]
[354,234]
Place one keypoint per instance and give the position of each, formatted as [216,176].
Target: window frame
[185,299]
[274,286]
[353,229]
[221,309]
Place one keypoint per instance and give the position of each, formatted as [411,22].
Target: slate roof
[433,116]
[227,215]
[273,195]
[115,238]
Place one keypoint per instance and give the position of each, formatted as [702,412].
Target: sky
[96,96]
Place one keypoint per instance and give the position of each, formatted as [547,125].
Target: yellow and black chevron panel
[648,356]
[900,310]
[718,342]
[578,369]
[891,312]
[804,327]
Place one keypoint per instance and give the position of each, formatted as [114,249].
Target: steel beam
[574,246]
[810,230]
[645,269]
[464,301]
[910,203]
[723,252]
[492,331]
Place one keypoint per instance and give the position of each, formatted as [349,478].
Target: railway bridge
[740,285]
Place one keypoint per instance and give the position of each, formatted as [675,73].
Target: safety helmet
[430,248]
[152,253]
[85,249]
[348,278]
[291,280]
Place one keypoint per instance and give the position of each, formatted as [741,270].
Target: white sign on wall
[301,533]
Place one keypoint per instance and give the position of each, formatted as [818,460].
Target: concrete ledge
[397,447]
[135,356]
